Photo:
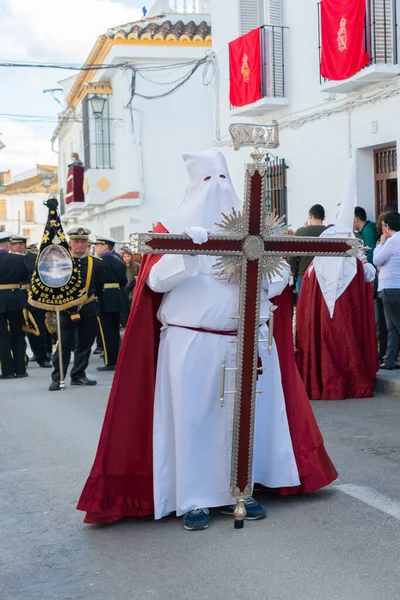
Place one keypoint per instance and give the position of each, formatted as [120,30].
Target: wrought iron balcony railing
[273,76]
[195,7]
[380,32]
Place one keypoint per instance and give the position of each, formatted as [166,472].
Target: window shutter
[250,15]
[29,211]
[273,12]
[274,42]
[3,210]
[382,13]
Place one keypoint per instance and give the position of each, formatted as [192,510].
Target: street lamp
[46,180]
[97,103]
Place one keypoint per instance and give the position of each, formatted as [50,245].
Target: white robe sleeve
[369,272]
[171,270]
[278,283]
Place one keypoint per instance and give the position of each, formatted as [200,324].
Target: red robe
[337,357]
[121,480]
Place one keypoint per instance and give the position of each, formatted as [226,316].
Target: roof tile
[165,31]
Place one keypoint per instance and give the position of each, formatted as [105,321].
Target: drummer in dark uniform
[13,274]
[111,302]
[79,325]
[38,343]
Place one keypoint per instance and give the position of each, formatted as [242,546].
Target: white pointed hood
[335,274]
[209,194]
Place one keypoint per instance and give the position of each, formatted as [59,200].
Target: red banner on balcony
[342,29]
[245,69]
[75,191]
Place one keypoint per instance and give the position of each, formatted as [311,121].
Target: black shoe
[107,368]
[54,386]
[33,359]
[7,376]
[83,381]
[21,375]
[385,367]
[45,365]
[97,350]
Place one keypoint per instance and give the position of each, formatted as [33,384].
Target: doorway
[386,185]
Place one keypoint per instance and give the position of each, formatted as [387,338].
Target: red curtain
[245,69]
[342,28]
[75,191]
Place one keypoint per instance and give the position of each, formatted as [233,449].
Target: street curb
[387,385]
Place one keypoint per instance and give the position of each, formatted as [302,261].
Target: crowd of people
[348,312]
[111,287]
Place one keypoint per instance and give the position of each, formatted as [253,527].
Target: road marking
[372,498]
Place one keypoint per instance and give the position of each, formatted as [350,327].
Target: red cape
[121,480]
[337,357]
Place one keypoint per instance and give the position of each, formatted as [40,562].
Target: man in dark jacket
[312,228]
[13,274]
[38,343]
[111,302]
[79,325]
[367,231]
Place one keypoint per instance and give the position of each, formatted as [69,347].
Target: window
[29,211]
[255,13]
[26,233]
[96,137]
[117,233]
[276,190]
[3,210]
[62,202]
[267,15]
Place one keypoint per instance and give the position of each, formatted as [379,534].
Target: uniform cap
[17,239]
[103,240]
[5,236]
[79,233]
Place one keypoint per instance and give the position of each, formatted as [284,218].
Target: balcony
[273,74]
[380,42]
[180,7]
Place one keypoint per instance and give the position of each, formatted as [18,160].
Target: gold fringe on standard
[29,325]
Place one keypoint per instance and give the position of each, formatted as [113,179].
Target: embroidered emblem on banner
[245,69]
[342,35]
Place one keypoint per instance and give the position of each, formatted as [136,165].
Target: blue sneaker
[255,511]
[197,519]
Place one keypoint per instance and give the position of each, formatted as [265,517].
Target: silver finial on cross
[255,136]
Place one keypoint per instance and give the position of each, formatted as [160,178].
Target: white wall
[317,153]
[147,143]
[16,223]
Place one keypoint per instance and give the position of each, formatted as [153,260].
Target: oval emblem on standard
[55,266]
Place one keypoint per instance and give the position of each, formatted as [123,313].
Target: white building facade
[322,123]
[21,202]
[132,153]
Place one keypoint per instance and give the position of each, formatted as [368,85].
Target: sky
[61,31]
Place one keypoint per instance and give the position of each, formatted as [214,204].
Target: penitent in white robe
[192,434]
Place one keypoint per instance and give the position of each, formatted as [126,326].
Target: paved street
[338,544]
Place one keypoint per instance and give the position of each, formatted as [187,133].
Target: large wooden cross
[248,243]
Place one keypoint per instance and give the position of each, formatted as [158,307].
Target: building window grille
[276,194]
[97,137]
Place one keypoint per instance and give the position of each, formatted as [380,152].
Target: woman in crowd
[132,270]
[387,260]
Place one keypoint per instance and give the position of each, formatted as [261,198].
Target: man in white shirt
[387,259]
